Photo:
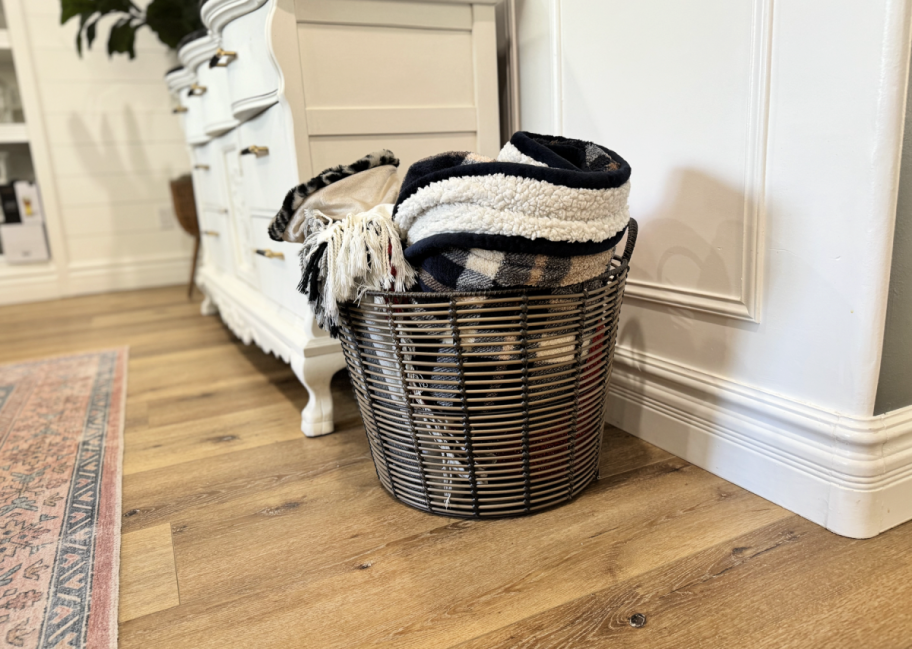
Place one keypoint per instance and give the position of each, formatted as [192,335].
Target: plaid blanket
[475,269]
[547,213]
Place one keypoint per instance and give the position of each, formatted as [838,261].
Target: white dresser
[278,90]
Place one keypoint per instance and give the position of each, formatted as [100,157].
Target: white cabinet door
[267,159]
[238,211]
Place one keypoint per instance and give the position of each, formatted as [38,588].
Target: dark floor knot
[637,620]
[281,509]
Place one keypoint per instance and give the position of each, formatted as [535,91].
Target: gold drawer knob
[196,90]
[210,233]
[201,167]
[222,58]
[258,151]
[270,254]
[179,109]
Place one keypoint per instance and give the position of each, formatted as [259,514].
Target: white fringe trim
[363,253]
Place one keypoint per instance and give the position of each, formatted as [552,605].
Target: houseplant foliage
[171,20]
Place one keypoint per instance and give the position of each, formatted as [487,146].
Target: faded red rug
[61,449]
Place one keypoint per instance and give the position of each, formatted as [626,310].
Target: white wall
[109,144]
[764,140]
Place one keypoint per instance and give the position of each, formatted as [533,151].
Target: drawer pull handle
[258,151]
[196,90]
[210,233]
[201,167]
[179,109]
[270,254]
[222,58]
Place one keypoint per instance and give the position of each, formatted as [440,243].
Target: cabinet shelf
[13,134]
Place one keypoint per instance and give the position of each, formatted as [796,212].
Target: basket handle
[632,229]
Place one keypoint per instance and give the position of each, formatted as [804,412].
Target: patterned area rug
[61,445]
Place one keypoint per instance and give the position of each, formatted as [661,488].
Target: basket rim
[610,276]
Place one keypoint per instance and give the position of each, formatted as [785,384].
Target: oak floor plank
[158,495]
[92,305]
[146,340]
[276,540]
[432,587]
[227,431]
[758,590]
[148,577]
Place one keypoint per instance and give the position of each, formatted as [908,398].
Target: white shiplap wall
[111,145]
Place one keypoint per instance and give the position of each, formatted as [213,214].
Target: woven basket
[184,204]
[485,404]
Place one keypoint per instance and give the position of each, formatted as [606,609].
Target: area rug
[61,450]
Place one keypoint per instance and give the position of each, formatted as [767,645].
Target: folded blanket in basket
[337,192]
[344,219]
[548,212]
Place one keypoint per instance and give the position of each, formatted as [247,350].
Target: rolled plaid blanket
[547,212]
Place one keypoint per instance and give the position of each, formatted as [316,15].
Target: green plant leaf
[122,38]
[171,20]
[72,8]
[112,6]
[82,21]
[90,32]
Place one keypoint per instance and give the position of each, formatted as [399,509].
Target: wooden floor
[239,532]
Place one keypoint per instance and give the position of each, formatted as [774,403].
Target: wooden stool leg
[196,251]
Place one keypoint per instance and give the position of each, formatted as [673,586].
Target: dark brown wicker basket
[184,201]
[185,204]
[485,404]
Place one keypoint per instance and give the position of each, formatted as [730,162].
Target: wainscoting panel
[690,95]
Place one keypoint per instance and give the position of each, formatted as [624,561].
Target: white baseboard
[38,282]
[853,475]
[124,275]
[29,283]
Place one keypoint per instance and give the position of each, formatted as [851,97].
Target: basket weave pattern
[485,404]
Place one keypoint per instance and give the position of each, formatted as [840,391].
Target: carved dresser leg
[316,374]
[207,307]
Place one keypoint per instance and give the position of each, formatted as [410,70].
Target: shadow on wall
[121,171]
[670,249]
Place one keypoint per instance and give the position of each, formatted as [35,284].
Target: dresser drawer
[215,235]
[278,267]
[253,77]
[193,119]
[205,176]
[212,83]
[267,156]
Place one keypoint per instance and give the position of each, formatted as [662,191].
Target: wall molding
[746,304]
[851,474]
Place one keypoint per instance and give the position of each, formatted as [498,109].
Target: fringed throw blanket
[351,245]
[336,192]
[548,213]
